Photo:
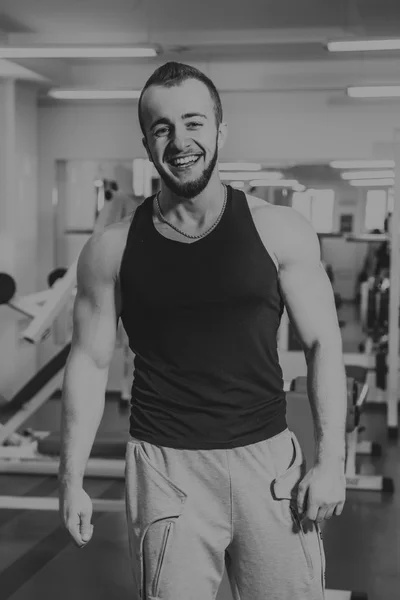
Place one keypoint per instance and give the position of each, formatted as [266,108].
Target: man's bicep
[305,287]
[309,300]
[95,315]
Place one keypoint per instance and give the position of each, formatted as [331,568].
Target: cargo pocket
[156,543]
[285,485]
[154,503]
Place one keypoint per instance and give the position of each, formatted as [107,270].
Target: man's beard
[190,189]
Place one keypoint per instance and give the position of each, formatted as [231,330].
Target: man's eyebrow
[165,121]
[193,114]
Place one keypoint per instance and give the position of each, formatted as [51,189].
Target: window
[316,206]
[377,206]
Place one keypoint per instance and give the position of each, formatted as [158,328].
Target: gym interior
[310,92]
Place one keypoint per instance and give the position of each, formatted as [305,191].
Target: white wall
[26,186]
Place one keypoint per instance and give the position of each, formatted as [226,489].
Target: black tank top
[202,320]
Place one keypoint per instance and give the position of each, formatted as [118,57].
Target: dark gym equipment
[371,309]
[383,316]
[381,368]
[110,186]
[55,275]
[378,307]
[7,288]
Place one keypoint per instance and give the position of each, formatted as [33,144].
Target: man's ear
[222,135]
[144,142]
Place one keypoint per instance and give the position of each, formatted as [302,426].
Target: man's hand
[322,492]
[76,512]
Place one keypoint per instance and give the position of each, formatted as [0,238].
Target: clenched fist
[76,511]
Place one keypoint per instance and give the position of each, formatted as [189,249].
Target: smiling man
[199,276]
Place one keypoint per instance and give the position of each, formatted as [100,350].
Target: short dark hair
[173,73]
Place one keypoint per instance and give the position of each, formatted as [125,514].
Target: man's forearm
[82,410]
[327,391]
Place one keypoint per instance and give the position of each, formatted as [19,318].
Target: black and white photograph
[199,299]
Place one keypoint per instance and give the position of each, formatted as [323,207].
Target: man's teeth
[184,161]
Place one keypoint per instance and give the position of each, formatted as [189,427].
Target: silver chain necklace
[188,235]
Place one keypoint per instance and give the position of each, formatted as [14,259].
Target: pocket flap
[285,486]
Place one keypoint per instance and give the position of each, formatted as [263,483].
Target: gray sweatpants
[191,512]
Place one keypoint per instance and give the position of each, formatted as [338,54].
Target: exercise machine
[386,308]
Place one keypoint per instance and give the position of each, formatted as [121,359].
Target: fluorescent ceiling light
[362,164]
[363,45]
[239,167]
[76,52]
[61,94]
[374,91]
[367,175]
[237,184]
[372,182]
[246,175]
[269,183]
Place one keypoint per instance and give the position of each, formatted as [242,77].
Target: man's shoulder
[285,230]
[274,219]
[114,237]
[103,252]
[265,209]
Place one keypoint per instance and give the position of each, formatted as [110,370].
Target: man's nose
[180,139]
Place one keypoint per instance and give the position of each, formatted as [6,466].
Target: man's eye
[161,131]
[194,124]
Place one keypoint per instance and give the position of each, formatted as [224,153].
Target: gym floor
[37,560]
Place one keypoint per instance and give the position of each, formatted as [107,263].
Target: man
[199,277]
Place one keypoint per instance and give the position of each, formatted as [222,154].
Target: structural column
[7,175]
[394,303]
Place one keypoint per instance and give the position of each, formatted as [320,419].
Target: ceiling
[207,30]
[62,21]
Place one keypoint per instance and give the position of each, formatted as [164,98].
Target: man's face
[181,135]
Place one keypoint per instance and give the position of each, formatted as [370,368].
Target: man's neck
[198,209]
